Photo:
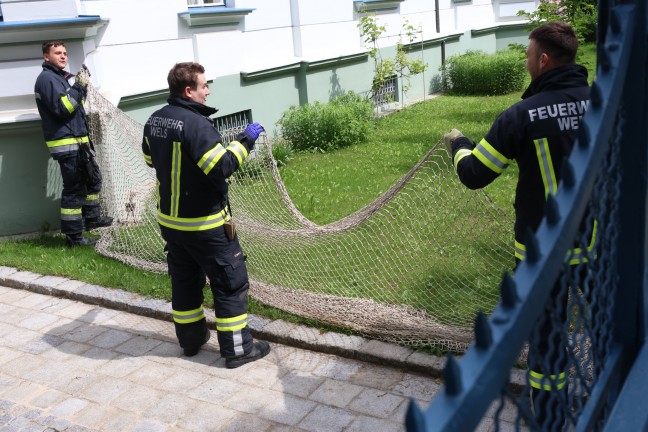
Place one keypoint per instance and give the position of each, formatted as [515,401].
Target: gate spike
[551,210]
[508,291]
[483,331]
[583,135]
[414,419]
[452,377]
[604,59]
[615,21]
[611,46]
[596,97]
[532,248]
[568,175]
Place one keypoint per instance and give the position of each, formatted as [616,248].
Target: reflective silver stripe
[193,224]
[70,103]
[239,151]
[226,326]
[71,217]
[188,317]
[175,179]
[488,159]
[211,158]
[546,166]
[237,338]
[64,148]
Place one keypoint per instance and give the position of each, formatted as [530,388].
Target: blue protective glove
[254,130]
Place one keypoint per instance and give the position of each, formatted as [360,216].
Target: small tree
[580,14]
[384,69]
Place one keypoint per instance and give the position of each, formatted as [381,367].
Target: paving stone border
[353,347]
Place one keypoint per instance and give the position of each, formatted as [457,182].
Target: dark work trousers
[547,360]
[79,198]
[192,255]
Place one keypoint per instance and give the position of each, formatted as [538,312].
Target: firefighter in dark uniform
[192,166]
[537,133]
[60,106]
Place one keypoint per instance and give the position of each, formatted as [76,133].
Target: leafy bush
[343,121]
[582,15]
[282,151]
[478,73]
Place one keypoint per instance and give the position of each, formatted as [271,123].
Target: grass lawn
[324,187]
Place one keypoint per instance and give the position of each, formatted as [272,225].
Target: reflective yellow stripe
[461,153]
[211,158]
[67,141]
[92,197]
[490,157]
[575,256]
[549,382]
[68,214]
[194,224]
[546,166]
[69,103]
[239,151]
[147,157]
[185,317]
[520,250]
[176,159]
[231,324]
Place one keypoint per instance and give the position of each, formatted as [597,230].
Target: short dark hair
[557,39]
[52,43]
[182,75]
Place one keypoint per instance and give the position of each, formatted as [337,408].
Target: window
[200,3]
[231,125]
[387,93]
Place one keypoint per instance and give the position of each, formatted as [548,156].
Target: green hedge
[478,73]
[343,121]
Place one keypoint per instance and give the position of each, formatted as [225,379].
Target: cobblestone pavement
[71,365]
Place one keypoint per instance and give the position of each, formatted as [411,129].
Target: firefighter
[537,133]
[60,106]
[192,166]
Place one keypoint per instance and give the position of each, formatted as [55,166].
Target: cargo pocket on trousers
[234,271]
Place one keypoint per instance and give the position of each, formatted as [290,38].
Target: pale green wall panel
[30,181]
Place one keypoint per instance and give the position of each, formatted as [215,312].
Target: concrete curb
[353,347]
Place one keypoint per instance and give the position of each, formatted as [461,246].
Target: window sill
[81,27]
[374,5]
[213,16]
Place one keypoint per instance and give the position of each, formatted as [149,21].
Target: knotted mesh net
[413,267]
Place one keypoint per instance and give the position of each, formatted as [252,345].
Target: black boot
[190,352]
[74,240]
[98,222]
[259,350]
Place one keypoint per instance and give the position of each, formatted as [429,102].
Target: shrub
[282,151]
[343,121]
[478,73]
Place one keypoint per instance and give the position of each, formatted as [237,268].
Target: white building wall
[133,50]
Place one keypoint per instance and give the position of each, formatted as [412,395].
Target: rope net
[413,267]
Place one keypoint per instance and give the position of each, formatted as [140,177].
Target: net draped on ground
[413,267]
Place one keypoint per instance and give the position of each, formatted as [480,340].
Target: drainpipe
[438,29]
[300,78]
